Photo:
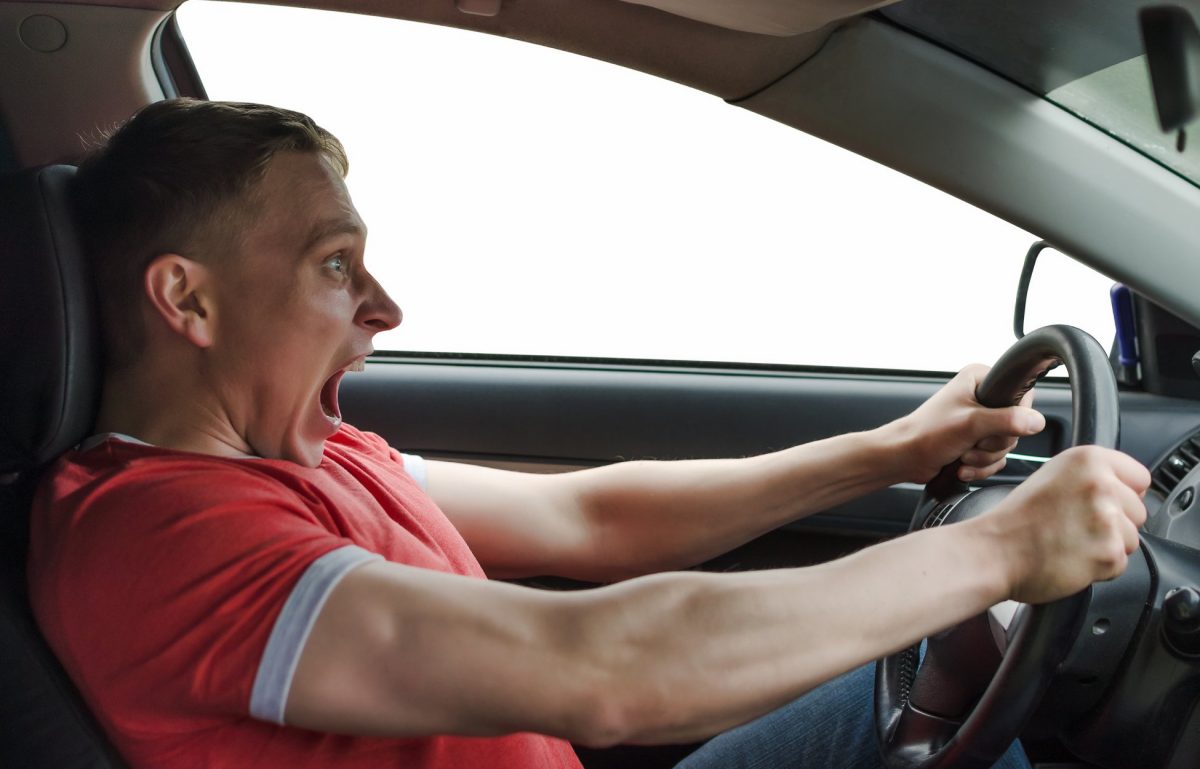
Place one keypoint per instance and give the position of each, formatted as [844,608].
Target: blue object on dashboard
[1122,306]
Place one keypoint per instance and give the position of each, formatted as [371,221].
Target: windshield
[1083,56]
[1119,100]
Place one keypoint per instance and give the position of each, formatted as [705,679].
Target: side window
[526,201]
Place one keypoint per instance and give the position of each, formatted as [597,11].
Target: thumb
[1013,420]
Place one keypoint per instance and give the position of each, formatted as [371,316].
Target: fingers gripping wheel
[973,693]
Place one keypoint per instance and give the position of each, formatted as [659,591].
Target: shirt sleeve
[415,466]
[286,642]
[188,594]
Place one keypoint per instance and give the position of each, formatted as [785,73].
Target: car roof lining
[782,18]
[767,17]
[100,77]
[725,62]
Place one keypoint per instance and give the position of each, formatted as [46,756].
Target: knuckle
[1116,560]
[1142,479]
[1093,491]
[979,422]
[1089,456]
[989,459]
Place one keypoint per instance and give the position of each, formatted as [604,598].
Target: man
[208,566]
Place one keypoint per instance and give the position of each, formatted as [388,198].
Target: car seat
[49,385]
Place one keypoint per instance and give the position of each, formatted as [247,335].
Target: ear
[177,288]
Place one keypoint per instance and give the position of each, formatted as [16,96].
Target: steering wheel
[980,681]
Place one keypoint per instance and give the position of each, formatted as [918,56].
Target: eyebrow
[328,228]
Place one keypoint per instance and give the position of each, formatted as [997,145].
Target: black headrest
[49,348]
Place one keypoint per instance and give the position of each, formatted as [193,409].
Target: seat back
[49,384]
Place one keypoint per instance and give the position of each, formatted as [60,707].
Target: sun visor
[766,17]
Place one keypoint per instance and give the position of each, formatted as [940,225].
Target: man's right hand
[1073,522]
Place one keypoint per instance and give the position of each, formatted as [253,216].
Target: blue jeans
[831,727]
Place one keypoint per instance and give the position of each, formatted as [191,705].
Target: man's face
[295,308]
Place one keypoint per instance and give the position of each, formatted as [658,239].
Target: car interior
[1043,114]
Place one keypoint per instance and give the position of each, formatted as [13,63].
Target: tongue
[329,396]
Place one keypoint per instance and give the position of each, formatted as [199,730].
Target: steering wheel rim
[912,738]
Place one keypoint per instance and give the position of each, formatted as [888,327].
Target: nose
[377,311]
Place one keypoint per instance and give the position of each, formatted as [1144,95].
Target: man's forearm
[689,655]
[655,516]
[635,518]
[665,658]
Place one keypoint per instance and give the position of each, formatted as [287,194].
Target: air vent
[1171,470]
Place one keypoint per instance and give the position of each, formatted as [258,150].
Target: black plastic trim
[172,63]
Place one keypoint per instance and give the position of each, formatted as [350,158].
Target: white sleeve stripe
[274,678]
[415,466]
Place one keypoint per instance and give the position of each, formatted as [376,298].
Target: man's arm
[677,657]
[636,518]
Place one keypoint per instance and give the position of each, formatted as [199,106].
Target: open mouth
[329,391]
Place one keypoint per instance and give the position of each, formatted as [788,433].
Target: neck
[155,406]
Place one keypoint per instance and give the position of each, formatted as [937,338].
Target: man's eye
[337,263]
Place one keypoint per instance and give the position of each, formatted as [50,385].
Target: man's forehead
[322,229]
[305,201]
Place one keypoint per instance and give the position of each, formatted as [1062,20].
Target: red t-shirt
[175,588]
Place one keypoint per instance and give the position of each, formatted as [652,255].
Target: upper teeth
[357,365]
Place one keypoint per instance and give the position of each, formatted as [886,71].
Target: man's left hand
[952,425]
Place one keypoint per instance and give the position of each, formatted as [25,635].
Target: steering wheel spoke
[1003,620]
